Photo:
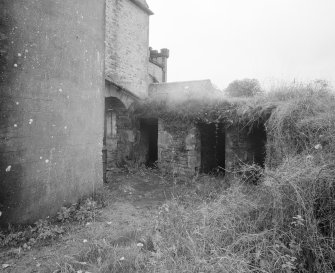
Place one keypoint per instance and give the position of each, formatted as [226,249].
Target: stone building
[134,73]
[210,148]
[71,74]
[202,147]
[130,67]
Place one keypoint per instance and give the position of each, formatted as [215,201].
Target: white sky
[224,40]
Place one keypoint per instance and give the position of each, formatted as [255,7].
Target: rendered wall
[51,104]
[127,43]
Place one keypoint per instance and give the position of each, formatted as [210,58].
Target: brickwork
[127,43]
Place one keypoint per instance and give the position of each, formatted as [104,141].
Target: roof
[142,4]
[179,91]
[121,89]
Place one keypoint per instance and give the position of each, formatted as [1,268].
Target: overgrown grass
[286,222]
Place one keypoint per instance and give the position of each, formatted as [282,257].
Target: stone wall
[121,138]
[244,146]
[127,43]
[51,105]
[155,73]
[158,65]
[178,148]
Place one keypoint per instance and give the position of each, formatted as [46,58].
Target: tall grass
[286,222]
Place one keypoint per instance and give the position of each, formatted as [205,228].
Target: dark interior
[257,141]
[149,133]
[212,148]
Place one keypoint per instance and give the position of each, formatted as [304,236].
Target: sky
[273,41]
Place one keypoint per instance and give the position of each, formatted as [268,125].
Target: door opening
[213,146]
[149,135]
[257,141]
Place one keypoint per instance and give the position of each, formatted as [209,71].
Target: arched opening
[115,122]
[113,107]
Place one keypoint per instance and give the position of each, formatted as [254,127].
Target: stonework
[155,73]
[158,65]
[244,147]
[181,150]
[130,68]
[178,148]
[127,43]
[120,144]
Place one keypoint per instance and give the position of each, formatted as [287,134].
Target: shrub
[244,88]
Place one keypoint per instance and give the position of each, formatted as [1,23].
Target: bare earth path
[132,203]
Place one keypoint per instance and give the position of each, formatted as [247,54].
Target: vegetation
[285,223]
[48,229]
[244,88]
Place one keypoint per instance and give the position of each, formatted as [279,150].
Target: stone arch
[120,135]
[114,103]
[117,92]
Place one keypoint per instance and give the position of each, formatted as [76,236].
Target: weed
[27,237]
[47,229]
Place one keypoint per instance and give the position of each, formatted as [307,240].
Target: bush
[244,88]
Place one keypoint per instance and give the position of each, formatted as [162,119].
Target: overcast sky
[224,40]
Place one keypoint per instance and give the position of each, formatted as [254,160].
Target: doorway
[257,142]
[149,137]
[213,148]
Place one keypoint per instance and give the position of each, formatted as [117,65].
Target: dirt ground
[132,203]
